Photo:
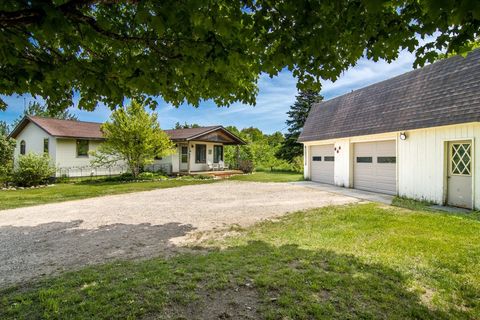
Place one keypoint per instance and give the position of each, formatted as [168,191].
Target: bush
[246,166]
[32,170]
[151,175]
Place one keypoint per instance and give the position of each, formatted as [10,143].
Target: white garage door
[322,160]
[375,166]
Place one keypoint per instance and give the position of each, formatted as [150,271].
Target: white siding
[422,161]
[67,153]
[343,166]
[33,137]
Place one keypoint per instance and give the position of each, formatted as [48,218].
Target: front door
[183,158]
[459,177]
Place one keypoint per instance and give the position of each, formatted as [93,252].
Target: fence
[91,171]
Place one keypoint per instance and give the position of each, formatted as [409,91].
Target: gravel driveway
[51,238]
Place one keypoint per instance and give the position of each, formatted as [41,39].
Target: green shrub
[151,175]
[246,166]
[32,169]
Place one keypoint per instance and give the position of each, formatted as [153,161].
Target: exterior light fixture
[403,136]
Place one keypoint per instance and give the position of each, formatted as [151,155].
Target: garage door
[375,166]
[322,160]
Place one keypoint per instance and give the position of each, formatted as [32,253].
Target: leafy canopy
[186,51]
[133,136]
[297,115]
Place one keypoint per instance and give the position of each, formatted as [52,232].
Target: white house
[69,142]
[416,135]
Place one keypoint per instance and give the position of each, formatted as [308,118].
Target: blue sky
[273,101]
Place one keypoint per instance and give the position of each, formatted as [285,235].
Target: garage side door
[375,166]
[322,160]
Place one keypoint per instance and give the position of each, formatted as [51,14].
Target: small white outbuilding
[415,135]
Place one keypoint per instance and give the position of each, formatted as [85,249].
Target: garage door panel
[321,170]
[375,166]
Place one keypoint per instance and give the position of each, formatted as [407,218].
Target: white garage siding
[375,166]
[322,161]
[422,159]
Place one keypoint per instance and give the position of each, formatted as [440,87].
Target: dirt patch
[233,303]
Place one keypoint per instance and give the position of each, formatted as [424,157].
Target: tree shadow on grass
[255,281]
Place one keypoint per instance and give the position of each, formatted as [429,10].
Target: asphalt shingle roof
[92,130]
[443,93]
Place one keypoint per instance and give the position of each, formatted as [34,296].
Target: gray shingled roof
[443,93]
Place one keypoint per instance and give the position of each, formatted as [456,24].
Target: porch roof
[208,134]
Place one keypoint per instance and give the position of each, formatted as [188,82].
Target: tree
[7,147]
[4,128]
[464,49]
[297,115]
[36,109]
[178,125]
[104,51]
[134,136]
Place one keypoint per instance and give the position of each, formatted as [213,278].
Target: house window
[315,158]
[386,159]
[328,158]
[200,153]
[22,147]
[45,145]
[217,154]
[184,154]
[82,148]
[364,159]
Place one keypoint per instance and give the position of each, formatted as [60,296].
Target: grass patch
[269,176]
[412,204]
[82,190]
[358,261]
[427,206]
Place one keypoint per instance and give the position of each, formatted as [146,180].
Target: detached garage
[416,135]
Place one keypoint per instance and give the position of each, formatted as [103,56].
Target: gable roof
[443,93]
[204,133]
[92,130]
[62,128]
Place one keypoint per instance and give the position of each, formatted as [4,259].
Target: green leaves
[189,51]
[133,136]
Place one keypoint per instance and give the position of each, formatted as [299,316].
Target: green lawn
[268,176]
[359,261]
[82,190]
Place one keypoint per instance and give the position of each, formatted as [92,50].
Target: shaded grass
[269,176]
[83,190]
[358,261]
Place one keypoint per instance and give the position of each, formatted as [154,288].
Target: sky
[275,97]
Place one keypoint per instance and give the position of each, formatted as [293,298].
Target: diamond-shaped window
[461,158]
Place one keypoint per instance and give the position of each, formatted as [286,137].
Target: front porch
[216,173]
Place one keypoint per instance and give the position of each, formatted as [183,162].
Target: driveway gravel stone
[47,239]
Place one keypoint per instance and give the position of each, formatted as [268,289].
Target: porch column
[188,157]
[237,151]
